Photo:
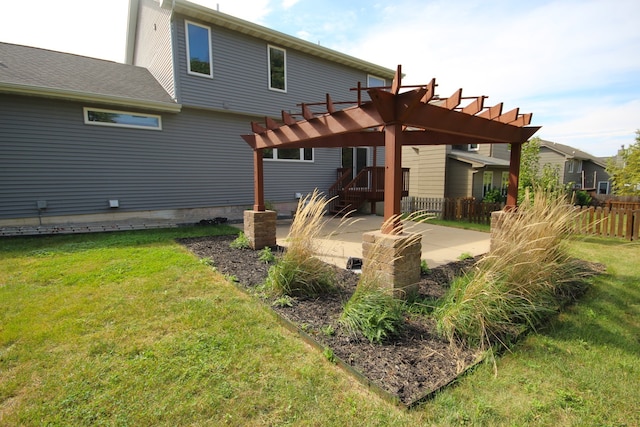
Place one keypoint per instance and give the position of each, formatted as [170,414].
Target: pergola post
[514,173]
[259,224]
[258,181]
[392,178]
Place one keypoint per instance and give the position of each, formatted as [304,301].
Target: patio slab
[341,239]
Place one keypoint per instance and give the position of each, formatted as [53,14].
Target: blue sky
[574,64]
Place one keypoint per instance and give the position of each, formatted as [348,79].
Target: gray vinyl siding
[240,80]
[154,44]
[197,160]
[589,169]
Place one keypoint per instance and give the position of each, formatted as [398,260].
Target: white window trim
[370,76]
[608,187]
[301,159]
[120,125]
[284,51]
[186,34]
[477,147]
[571,166]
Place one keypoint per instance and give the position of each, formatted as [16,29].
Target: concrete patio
[341,239]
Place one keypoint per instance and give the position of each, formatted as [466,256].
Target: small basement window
[125,119]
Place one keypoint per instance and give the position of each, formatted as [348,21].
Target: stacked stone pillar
[260,228]
[395,259]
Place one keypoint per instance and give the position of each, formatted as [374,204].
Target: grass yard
[129,328]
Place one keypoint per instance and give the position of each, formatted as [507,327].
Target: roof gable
[204,14]
[40,72]
[571,152]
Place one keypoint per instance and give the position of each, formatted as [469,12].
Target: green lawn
[129,328]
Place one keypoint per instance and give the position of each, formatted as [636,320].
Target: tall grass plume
[299,272]
[523,279]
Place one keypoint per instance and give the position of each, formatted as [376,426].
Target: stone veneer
[396,258]
[260,228]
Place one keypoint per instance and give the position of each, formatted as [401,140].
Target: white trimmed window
[603,187]
[374,81]
[487,182]
[277,68]
[198,49]
[571,165]
[473,147]
[123,119]
[504,183]
[290,154]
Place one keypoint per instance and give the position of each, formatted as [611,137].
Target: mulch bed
[410,367]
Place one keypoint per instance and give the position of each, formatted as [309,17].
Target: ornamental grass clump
[526,276]
[298,272]
[373,310]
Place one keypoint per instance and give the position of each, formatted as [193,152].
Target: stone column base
[260,228]
[394,258]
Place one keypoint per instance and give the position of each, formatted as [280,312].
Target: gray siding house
[84,140]
[579,169]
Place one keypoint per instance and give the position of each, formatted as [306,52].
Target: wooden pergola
[391,119]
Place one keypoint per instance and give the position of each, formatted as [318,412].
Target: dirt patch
[413,365]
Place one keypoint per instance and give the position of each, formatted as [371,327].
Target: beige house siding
[554,159]
[500,151]
[427,169]
[458,181]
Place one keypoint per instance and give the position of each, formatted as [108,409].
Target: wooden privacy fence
[460,209]
[606,222]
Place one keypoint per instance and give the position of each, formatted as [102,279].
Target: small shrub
[266,255]
[240,242]
[465,255]
[374,312]
[493,196]
[283,301]
[582,198]
[424,267]
[328,330]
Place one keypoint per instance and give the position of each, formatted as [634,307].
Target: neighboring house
[580,170]
[85,140]
[457,171]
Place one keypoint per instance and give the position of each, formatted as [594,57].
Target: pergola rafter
[392,119]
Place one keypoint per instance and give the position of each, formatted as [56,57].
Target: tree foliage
[531,177]
[625,170]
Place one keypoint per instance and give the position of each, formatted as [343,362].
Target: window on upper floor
[198,49]
[473,147]
[277,68]
[373,81]
[125,119]
[571,166]
[294,154]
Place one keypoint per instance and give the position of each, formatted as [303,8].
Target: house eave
[70,95]
[275,37]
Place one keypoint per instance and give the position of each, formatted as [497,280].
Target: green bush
[374,312]
[240,242]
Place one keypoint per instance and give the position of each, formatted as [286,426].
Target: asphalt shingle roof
[46,70]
